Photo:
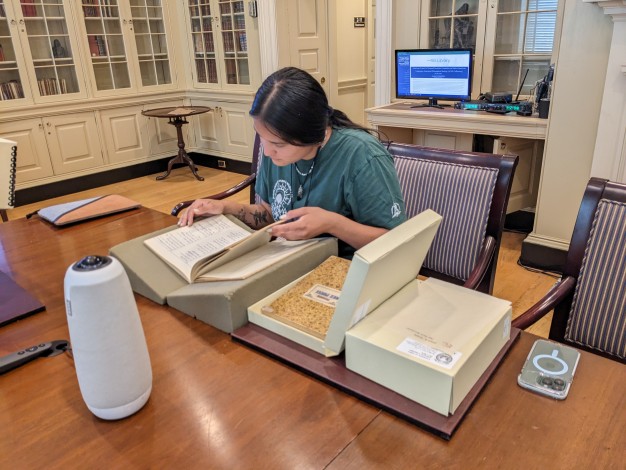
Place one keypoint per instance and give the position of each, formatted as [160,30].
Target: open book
[221,248]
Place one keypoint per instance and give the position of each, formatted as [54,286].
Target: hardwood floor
[514,283]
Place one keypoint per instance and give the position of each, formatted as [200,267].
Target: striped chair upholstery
[598,314]
[462,195]
[589,301]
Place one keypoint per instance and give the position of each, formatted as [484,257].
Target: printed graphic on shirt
[281,199]
[395,210]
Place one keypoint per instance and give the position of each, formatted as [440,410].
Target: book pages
[188,249]
[254,261]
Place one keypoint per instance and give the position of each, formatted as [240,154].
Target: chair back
[248,182]
[593,317]
[470,191]
[257,160]
[8,166]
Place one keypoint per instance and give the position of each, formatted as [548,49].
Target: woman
[321,171]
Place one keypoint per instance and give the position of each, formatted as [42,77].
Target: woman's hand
[310,222]
[305,223]
[200,207]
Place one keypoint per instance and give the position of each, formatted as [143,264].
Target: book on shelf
[28,8]
[51,86]
[208,43]
[97,45]
[93,45]
[201,71]
[102,49]
[107,11]
[220,248]
[1,54]
[212,71]
[98,8]
[243,41]
[91,8]
[11,90]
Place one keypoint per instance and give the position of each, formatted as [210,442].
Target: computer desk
[456,128]
[218,404]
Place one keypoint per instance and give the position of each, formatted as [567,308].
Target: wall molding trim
[609,157]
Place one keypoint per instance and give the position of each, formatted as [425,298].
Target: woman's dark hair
[294,106]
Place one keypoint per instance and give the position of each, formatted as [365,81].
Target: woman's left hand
[310,222]
[304,223]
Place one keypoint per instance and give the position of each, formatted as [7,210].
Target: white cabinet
[38,59]
[226,130]
[75,76]
[73,142]
[525,188]
[127,45]
[55,145]
[33,161]
[223,38]
[125,134]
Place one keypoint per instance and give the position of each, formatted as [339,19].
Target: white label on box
[428,353]
[323,295]
[506,333]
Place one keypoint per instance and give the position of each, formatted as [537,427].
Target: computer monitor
[434,74]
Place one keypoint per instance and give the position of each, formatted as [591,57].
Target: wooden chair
[589,300]
[248,182]
[470,190]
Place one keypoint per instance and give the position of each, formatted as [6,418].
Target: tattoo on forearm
[260,218]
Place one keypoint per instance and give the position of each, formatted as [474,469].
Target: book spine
[93,46]
[28,9]
[102,50]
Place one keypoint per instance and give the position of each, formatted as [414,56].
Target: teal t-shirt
[353,175]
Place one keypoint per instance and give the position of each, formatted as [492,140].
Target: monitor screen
[434,74]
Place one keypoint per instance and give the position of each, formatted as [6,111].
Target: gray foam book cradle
[222,304]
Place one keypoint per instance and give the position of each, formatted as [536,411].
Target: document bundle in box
[376,272]
[430,342]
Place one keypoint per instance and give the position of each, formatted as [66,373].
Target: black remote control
[16,359]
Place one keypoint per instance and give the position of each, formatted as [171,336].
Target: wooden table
[177,117]
[217,404]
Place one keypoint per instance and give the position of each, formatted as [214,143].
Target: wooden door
[308,38]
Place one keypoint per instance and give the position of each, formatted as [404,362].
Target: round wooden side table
[177,117]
